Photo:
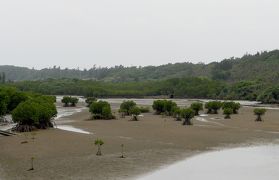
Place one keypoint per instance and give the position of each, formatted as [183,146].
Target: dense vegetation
[166,107]
[101,110]
[259,112]
[213,107]
[231,105]
[187,114]
[34,113]
[227,112]
[10,98]
[188,87]
[261,66]
[126,107]
[252,77]
[178,88]
[197,106]
[131,108]
[69,101]
[29,110]
[135,111]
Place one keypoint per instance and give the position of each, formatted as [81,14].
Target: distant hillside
[261,66]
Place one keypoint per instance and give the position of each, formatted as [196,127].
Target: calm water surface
[246,163]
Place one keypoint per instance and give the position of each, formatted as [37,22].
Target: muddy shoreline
[150,143]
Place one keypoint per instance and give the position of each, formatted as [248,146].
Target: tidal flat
[150,144]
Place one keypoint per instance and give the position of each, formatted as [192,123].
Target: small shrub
[99,143]
[197,107]
[232,105]
[164,106]
[144,109]
[213,107]
[259,112]
[227,112]
[73,101]
[135,111]
[177,114]
[187,114]
[101,110]
[158,106]
[69,101]
[126,106]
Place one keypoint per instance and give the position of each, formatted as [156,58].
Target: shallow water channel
[245,163]
[62,124]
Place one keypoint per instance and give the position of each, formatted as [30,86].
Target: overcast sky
[81,33]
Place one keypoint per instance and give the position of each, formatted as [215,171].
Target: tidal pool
[245,163]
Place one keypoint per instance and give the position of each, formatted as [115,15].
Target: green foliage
[28,109]
[197,107]
[251,77]
[69,101]
[158,106]
[16,99]
[213,107]
[90,100]
[134,111]
[270,95]
[184,87]
[66,100]
[187,114]
[243,90]
[74,101]
[27,113]
[126,107]
[51,98]
[176,113]
[99,143]
[12,97]
[232,105]
[164,106]
[144,109]
[259,112]
[228,111]
[36,112]
[106,112]
[169,106]
[262,66]
[101,110]
[3,104]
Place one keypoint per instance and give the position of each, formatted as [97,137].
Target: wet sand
[150,143]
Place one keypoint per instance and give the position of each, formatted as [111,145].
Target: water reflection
[246,163]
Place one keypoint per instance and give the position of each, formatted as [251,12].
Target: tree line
[262,66]
[191,87]
[2,78]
